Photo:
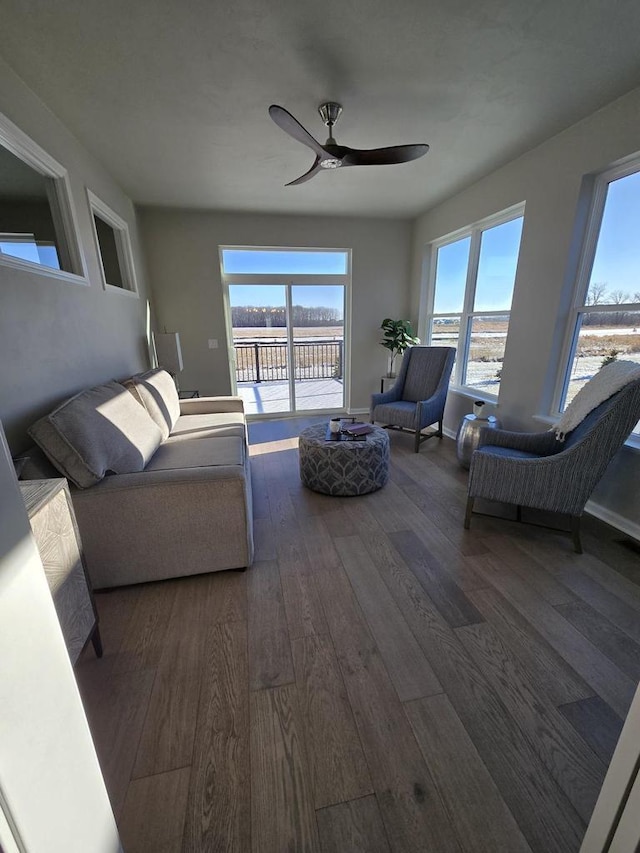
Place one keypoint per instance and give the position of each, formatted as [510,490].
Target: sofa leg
[418,438]
[575,534]
[467,515]
[518,513]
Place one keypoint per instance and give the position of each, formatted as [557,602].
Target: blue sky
[617,260]
[496,270]
[451,276]
[285,262]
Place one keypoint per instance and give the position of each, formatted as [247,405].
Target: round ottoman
[343,467]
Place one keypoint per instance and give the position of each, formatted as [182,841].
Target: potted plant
[398,335]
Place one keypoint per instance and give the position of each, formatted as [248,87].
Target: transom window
[284,262]
[472,278]
[605,320]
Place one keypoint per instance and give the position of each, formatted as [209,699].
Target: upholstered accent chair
[536,470]
[418,395]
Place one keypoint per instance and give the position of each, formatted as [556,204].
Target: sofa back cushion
[99,430]
[157,392]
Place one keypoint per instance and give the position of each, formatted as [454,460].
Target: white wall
[57,338]
[181,249]
[549,179]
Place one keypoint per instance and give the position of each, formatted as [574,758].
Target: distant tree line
[598,294]
[251,316]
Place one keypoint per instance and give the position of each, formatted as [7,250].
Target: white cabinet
[50,511]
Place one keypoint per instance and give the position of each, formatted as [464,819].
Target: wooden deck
[379,680]
[273,397]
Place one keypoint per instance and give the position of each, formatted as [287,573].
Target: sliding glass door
[261,347]
[288,351]
[317,315]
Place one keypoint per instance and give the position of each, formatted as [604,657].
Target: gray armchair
[534,470]
[418,396]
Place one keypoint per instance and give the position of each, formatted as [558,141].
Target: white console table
[55,530]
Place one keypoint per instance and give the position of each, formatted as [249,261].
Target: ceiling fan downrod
[330,113]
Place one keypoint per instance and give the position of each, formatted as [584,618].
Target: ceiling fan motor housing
[330,112]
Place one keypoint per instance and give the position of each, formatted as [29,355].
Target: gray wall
[181,250]
[552,180]
[58,337]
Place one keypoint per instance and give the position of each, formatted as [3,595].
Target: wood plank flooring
[379,680]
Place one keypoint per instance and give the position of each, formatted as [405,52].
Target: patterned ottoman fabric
[343,467]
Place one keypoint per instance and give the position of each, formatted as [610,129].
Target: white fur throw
[607,381]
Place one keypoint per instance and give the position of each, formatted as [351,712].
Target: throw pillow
[157,392]
[99,430]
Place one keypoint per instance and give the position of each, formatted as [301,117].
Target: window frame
[582,280]
[61,205]
[467,314]
[101,209]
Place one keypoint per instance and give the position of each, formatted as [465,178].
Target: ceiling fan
[334,156]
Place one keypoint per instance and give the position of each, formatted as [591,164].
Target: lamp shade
[168,351]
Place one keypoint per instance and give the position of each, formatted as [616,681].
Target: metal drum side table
[468,436]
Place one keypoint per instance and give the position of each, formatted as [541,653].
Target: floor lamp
[168,353]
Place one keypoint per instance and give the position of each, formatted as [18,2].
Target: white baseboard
[614,519]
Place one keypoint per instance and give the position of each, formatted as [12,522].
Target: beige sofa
[161,486]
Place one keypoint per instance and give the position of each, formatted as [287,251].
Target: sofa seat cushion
[205,453]
[208,425]
[156,391]
[99,430]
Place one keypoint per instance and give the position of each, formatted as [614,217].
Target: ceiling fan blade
[383,156]
[307,175]
[292,126]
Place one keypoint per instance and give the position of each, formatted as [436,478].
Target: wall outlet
[213,343]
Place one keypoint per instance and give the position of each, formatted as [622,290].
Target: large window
[605,321]
[473,274]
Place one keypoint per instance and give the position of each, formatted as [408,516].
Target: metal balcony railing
[261,361]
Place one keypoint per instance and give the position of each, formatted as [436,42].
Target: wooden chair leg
[467,515]
[575,533]
[419,437]
[96,639]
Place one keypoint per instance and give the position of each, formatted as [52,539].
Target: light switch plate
[213,343]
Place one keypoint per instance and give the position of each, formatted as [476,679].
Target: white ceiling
[173,96]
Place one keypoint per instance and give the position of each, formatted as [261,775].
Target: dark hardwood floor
[379,680]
